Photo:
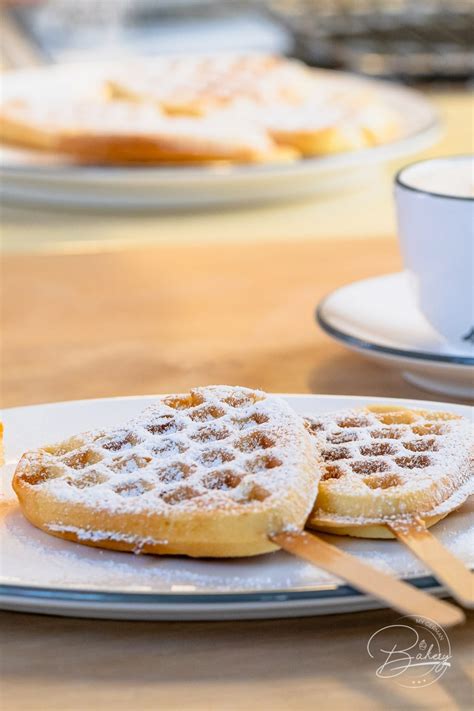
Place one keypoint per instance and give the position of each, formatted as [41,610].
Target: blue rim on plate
[385,350]
[427,582]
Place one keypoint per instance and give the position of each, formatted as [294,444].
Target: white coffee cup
[435,212]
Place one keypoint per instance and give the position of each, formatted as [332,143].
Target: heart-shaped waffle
[384,464]
[210,473]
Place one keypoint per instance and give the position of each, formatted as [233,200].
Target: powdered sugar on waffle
[275,94]
[93,116]
[218,447]
[31,558]
[201,83]
[239,108]
[394,459]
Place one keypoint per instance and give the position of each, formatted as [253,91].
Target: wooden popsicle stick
[395,593]
[447,568]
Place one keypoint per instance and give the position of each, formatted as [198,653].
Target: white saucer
[379,318]
[39,573]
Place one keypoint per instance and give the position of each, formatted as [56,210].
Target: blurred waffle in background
[349,133]
[188,108]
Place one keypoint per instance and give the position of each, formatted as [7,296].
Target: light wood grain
[54,664]
[166,318]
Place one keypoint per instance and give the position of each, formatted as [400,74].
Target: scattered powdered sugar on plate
[32,558]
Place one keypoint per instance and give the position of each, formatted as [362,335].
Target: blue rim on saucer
[385,350]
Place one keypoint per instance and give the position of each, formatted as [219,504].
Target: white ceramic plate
[379,318]
[27,177]
[40,573]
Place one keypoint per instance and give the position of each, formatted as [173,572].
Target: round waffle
[386,463]
[210,473]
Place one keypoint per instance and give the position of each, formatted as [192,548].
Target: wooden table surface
[216,300]
[317,664]
[164,319]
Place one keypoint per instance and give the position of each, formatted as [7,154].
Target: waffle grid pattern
[213,447]
[390,460]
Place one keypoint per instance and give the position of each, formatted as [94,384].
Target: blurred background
[107,303]
[427,40]
[425,44]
